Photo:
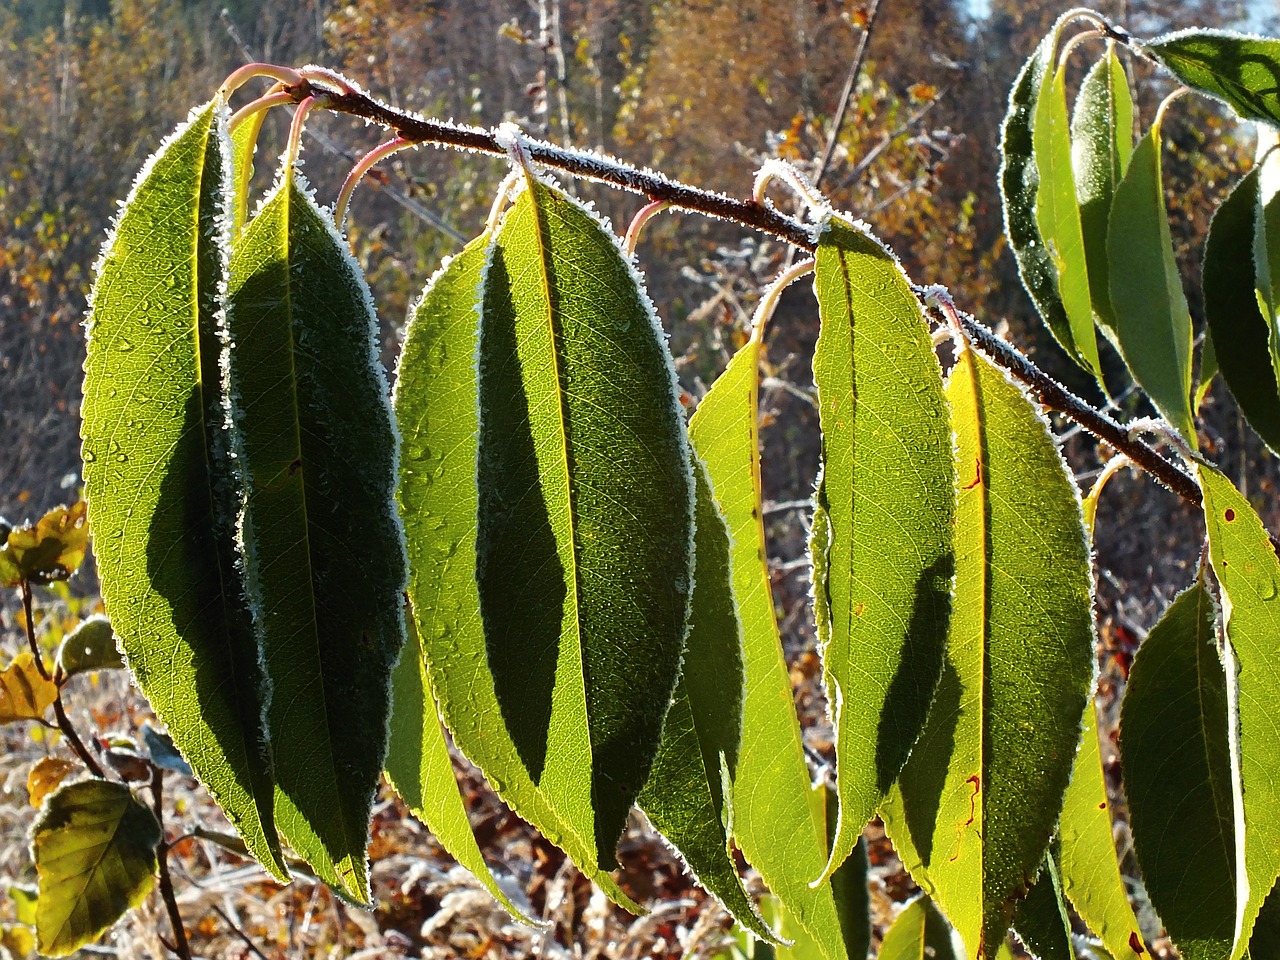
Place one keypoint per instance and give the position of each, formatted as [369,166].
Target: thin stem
[592,166]
[846,94]
[363,166]
[750,214]
[180,945]
[239,78]
[295,132]
[1056,397]
[77,746]
[637,223]
[235,928]
[257,108]
[28,614]
[769,302]
[774,169]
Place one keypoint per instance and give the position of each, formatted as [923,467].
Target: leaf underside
[1177,774]
[1237,326]
[324,555]
[583,461]
[437,409]
[1239,70]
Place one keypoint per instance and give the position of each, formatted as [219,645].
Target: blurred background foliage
[702,89]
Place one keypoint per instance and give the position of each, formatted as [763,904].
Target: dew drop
[122,458]
[1267,589]
[89,456]
[124,346]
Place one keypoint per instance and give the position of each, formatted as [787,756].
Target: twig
[846,94]
[64,722]
[180,945]
[235,928]
[656,186]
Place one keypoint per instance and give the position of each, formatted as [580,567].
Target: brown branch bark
[331,95]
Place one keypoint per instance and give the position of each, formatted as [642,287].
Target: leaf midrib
[287,191]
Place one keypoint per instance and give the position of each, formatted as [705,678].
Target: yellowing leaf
[45,777]
[49,550]
[94,847]
[24,693]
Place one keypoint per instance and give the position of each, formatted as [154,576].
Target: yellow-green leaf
[776,826]
[1058,217]
[1090,868]
[1152,321]
[884,564]
[1101,145]
[421,770]
[94,846]
[978,800]
[159,478]
[921,932]
[1245,564]
[584,543]
[1238,69]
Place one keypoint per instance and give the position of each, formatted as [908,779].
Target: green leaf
[1090,869]
[848,888]
[976,803]
[1042,922]
[437,409]
[1058,217]
[921,932]
[1020,188]
[49,550]
[1245,564]
[244,143]
[1177,776]
[1237,326]
[584,548]
[421,770]
[887,495]
[1237,69]
[685,799]
[1152,322]
[94,847]
[780,832]
[679,802]
[323,548]
[158,474]
[1266,238]
[1101,145]
[90,646]
[1265,942]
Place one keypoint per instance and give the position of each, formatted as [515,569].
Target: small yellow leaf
[24,693]
[45,776]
